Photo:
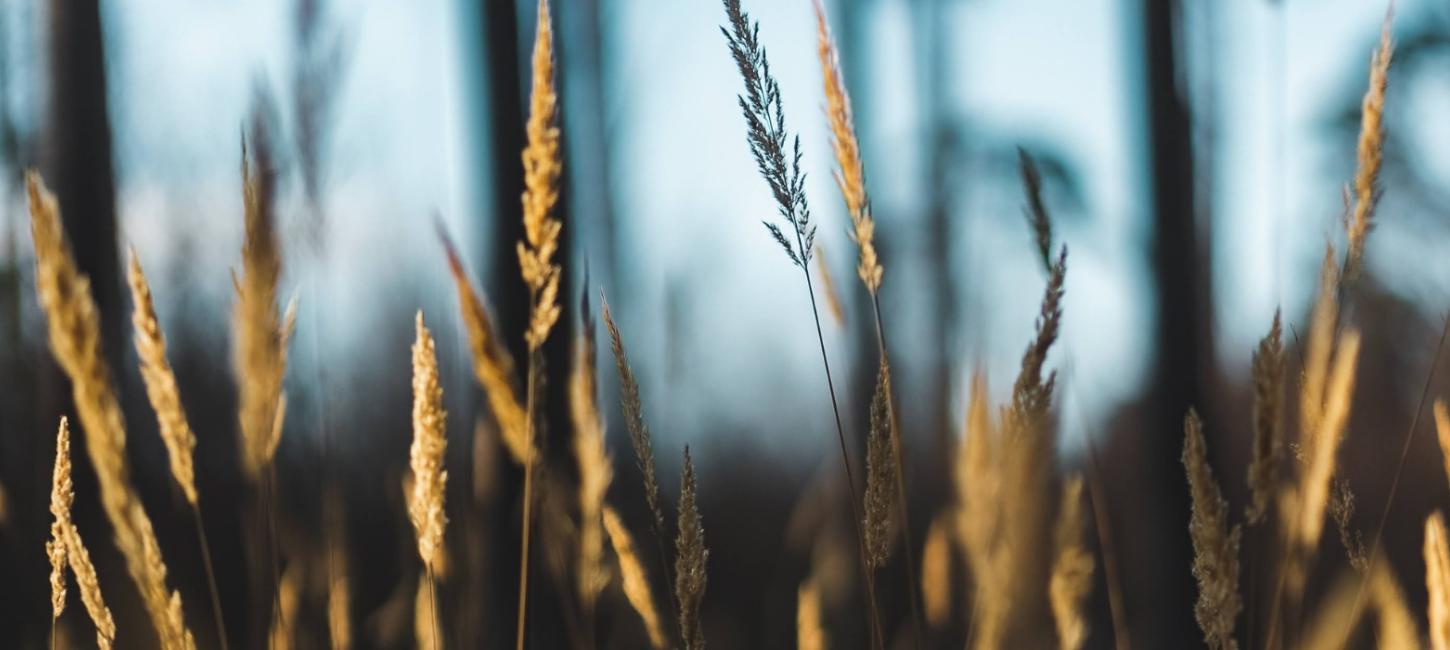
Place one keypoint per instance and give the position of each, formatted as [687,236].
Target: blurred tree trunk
[505,61]
[1182,343]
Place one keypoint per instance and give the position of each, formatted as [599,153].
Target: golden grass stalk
[1268,442]
[259,355]
[810,633]
[632,575]
[492,365]
[67,539]
[1072,569]
[55,552]
[75,340]
[690,558]
[1324,320]
[936,572]
[880,474]
[1215,545]
[160,381]
[1442,430]
[430,441]
[289,601]
[1396,628]
[1370,149]
[594,473]
[1437,580]
[850,173]
[425,615]
[1315,484]
[828,287]
[543,163]
[980,520]
[339,614]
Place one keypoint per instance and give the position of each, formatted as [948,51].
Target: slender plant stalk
[433,606]
[216,599]
[902,502]
[528,502]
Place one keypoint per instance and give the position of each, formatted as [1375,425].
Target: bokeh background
[1194,153]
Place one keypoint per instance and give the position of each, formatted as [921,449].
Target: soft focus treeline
[480,469]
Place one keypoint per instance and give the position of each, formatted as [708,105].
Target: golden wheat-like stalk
[594,472]
[1370,149]
[880,474]
[1396,626]
[66,543]
[1315,484]
[690,558]
[1268,443]
[639,436]
[936,572]
[978,474]
[430,440]
[492,365]
[160,381]
[633,580]
[850,173]
[543,163]
[1323,322]
[1442,431]
[259,355]
[75,340]
[1437,580]
[810,632]
[425,616]
[1215,545]
[1072,569]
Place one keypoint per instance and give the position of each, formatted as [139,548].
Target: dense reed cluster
[1013,556]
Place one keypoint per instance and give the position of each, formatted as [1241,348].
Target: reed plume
[810,633]
[1036,210]
[160,382]
[165,398]
[430,440]
[75,340]
[1215,545]
[259,354]
[936,572]
[880,475]
[1442,431]
[594,470]
[690,558]
[492,365]
[55,552]
[1268,443]
[65,547]
[632,576]
[1437,580]
[1072,569]
[543,163]
[850,172]
[1341,509]
[639,435]
[1370,148]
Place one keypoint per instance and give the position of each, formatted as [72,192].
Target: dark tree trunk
[1182,338]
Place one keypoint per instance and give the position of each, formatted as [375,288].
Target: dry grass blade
[810,632]
[161,382]
[1268,444]
[629,401]
[690,558]
[425,501]
[880,474]
[259,356]
[594,472]
[1072,569]
[1442,431]
[1370,150]
[936,572]
[1215,545]
[75,340]
[632,575]
[850,173]
[492,365]
[1437,580]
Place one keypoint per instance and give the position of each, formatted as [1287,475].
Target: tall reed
[1215,544]
[778,158]
[75,340]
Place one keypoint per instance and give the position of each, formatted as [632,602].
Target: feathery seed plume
[543,164]
[1437,580]
[1268,444]
[1072,569]
[850,173]
[425,502]
[1036,208]
[690,558]
[161,381]
[74,333]
[1370,148]
[635,583]
[1215,545]
[629,401]
[66,546]
[880,474]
